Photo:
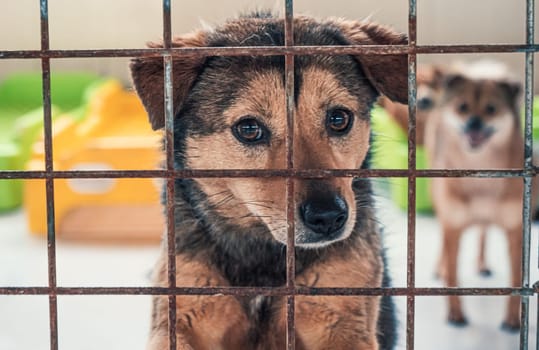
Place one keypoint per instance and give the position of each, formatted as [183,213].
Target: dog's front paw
[485,272]
[457,319]
[511,326]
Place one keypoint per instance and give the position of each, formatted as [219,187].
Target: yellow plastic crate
[114,135]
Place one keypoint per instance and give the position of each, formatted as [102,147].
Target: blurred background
[131,23]
[109,229]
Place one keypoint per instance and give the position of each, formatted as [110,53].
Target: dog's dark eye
[250,131]
[463,108]
[339,121]
[490,109]
[425,103]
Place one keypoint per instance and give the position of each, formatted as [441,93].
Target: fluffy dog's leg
[481,262]
[514,239]
[441,267]
[450,249]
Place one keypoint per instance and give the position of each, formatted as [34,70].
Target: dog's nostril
[340,220]
[324,216]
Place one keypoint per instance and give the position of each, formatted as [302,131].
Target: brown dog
[477,126]
[230,114]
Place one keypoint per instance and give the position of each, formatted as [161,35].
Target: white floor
[121,322]
[485,313]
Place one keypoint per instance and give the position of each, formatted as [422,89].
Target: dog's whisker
[217,193]
[224,201]
[256,216]
[258,205]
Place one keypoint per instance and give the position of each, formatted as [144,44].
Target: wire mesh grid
[289,50]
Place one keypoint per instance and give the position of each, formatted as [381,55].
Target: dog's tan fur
[260,95]
[354,259]
[462,202]
[317,318]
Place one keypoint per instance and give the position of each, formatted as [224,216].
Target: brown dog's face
[331,131]
[483,112]
[232,115]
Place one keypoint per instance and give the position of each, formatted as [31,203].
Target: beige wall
[87,24]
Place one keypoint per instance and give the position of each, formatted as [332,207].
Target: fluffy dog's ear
[512,89]
[387,73]
[148,77]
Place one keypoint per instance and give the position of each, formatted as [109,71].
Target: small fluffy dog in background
[429,84]
[429,80]
[477,126]
[230,114]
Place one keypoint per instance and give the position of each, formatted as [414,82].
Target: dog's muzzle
[324,217]
[476,132]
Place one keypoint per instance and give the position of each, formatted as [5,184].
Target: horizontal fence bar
[268,291]
[270,51]
[295,173]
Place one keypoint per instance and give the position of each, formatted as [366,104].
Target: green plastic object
[390,151]
[535,116]
[21,118]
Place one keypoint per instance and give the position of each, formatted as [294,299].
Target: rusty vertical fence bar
[412,93]
[49,181]
[528,165]
[290,205]
[170,180]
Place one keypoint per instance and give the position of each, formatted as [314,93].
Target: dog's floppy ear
[387,73]
[148,77]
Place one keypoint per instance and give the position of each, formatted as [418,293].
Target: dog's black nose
[325,216]
[474,124]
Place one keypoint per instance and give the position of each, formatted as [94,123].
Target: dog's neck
[245,256]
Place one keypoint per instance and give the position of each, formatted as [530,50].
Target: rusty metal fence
[528,170]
